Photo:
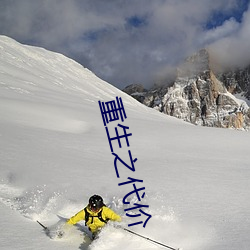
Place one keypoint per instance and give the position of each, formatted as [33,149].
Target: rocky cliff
[200,96]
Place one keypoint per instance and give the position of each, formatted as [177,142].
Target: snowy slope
[55,154]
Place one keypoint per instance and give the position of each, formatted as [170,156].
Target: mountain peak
[197,64]
[200,96]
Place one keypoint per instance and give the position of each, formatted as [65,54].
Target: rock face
[201,97]
[136,90]
[237,81]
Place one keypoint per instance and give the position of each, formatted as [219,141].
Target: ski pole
[45,228]
[159,243]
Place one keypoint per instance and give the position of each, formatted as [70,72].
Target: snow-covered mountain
[201,95]
[55,154]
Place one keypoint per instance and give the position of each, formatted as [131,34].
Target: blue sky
[131,41]
[218,17]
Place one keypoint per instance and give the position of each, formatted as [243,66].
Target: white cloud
[233,50]
[228,28]
[97,32]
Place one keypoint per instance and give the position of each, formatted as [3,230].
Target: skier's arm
[110,214]
[77,217]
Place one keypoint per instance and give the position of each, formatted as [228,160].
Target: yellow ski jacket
[94,223]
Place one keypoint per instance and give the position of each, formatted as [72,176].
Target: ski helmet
[95,202]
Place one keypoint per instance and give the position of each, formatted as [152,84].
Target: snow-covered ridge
[35,67]
[33,74]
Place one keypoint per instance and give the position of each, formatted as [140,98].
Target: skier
[95,214]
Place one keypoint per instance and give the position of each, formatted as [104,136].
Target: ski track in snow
[31,204]
[40,204]
[37,205]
